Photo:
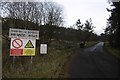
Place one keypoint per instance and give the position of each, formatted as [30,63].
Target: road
[94,62]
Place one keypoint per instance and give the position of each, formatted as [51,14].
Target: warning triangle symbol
[29,45]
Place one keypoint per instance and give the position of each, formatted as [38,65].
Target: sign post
[31,59]
[43,51]
[22,42]
[31,62]
[14,62]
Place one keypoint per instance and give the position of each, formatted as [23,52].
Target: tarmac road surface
[94,62]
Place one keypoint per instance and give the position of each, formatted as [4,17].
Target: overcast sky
[84,10]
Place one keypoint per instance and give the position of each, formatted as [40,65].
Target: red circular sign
[17,43]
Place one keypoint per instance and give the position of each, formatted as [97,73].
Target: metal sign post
[31,60]
[14,62]
[43,51]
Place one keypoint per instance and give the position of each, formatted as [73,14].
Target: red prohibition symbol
[17,43]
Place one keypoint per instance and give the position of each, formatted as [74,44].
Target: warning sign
[29,45]
[22,47]
[23,42]
[17,43]
[28,52]
[16,52]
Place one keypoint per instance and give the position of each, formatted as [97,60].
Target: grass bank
[111,50]
[43,66]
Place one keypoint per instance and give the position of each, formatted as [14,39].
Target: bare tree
[37,12]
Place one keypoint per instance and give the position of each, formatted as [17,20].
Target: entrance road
[94,62]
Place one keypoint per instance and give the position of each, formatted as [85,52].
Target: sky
[84,10]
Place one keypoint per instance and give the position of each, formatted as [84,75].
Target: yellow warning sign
[29,52]
[29,45]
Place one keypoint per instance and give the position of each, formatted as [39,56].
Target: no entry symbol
[17,43]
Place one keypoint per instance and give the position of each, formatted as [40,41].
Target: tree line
[112,30]
[47,17]
[41,13]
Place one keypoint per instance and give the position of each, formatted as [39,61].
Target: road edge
[108,51]
[65,68]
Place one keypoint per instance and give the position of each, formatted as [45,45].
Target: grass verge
[111,50]
[90,43]
[43,66]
